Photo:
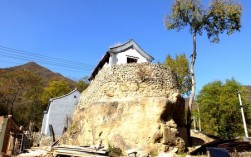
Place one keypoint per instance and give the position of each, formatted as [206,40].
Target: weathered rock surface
[130,106]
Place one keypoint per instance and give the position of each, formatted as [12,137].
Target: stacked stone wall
[130,81]
[130,106]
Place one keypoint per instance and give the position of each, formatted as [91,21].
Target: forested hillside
[25,91]
[41,72]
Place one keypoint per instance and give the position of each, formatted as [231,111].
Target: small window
[131,60]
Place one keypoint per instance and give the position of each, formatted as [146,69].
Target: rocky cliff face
[130,106]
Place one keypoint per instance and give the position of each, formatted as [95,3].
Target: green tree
[180,66]
[221,16]
[219,105]
[3,106]
[35,106]
[20,92]
[81,85]
[55,89]
[13,87]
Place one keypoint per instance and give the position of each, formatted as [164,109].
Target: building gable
[131,45]
[129,52]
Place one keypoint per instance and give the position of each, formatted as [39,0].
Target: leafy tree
[81,85]
[18,96]
[21,93]
[35,106]
[3,107]
[180,66]
[55,89]
[219,105]
[221,16]
[13,87]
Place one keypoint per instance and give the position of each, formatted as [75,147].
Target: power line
[29,56]
[25,58]
[57,67]
[43,56]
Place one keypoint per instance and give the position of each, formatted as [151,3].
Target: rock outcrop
[130,106]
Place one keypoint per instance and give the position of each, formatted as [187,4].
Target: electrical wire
[30,59]
[29,56]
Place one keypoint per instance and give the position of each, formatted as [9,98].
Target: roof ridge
[122,44]
[51,99]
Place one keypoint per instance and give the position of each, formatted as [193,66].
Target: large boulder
[131,106]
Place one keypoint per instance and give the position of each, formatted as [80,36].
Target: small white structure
[129,52]
[59,113]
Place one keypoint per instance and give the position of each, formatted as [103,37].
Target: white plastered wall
[121,58]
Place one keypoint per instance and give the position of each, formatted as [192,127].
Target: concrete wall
[59,109]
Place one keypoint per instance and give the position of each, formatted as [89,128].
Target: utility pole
[243,116]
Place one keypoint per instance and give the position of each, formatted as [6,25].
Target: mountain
[21,90]
[41,72]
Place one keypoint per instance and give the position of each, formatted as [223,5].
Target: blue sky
[83,30]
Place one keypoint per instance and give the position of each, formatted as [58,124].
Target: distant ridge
[43,73]
[19,98]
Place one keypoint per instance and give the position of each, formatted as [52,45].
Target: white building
[129,52]
[59,113]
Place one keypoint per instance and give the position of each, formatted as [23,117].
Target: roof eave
[128,45]
[51,99]
[100,64]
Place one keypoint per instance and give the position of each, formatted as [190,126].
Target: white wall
[121,58]
[58,110]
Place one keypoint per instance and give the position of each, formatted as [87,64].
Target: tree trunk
[191,100]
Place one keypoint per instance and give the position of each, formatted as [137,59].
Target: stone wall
[130,81]
[130,106]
